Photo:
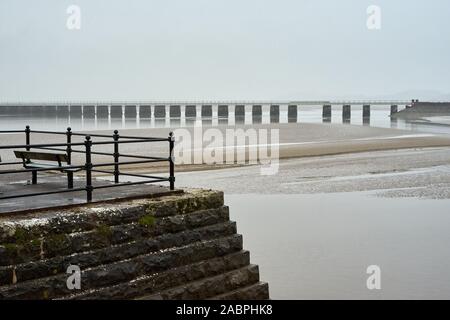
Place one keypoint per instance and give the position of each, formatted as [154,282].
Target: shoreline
[295,141]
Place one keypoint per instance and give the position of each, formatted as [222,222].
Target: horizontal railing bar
[102,171]
[127,162]
[128,141]
[52,149]
[128,174]
[42,193]
[76,151]
[93,135]
[141,157]
[147,138]
[139,175]
[12,131]
[48,132]
[21,146]
[131,183]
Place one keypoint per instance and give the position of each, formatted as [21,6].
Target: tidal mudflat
[316,226]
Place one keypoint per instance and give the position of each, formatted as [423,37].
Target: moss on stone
[11,249]
[56,242]
[104,231]
[147,221]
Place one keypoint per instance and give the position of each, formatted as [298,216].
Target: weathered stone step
[107,275]
[150,284]
[35,225]
[104,236]
[59,264]
[210,287]
[257,291]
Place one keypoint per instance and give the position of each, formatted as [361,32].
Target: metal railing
[89,166]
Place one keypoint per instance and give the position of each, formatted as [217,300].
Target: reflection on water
[319,246]
[48,118]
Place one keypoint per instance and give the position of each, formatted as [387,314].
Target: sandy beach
[295,141]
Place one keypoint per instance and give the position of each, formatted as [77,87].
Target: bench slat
[30,155]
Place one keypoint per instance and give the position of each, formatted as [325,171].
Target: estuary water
[316,226]
[319,246]
[42,118]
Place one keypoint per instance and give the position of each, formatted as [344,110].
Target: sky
[224,49]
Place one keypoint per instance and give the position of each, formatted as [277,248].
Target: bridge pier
[346,113]
[274,113]
[145,111]
[394,109]
[191,111]
[116,111]
[239,113]
[160,111]
[102,111]
[257,113]
[130,112]
[222,111]
[292,113]
[366,111]
[326,112]
[175,111]
[207,111]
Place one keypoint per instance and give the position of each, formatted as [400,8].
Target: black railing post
[116,156]
[27,137]
[171,161]
[88,168]
[69,158]
[28,142]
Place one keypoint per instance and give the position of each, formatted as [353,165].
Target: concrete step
[126,270]
[53,245]
[88,259]
[210,287]
[257,291]
[149,284]
[89,217]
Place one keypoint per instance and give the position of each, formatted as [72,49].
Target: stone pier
[130,112]
[191,111]
[175,111]
[326,111]
[116,111]
[102,111]
[394,109]
[366,111]
[145,112]
[292,113]
[179,246]
[222,111]
[239,112]
[206,111]
[275,113]
[160,111]
[346,112]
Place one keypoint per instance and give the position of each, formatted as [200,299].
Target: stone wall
[424,109]
[174,247]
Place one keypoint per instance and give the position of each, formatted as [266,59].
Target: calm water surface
[319,246]
[45,120]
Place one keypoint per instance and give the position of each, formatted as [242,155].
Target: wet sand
[296,141]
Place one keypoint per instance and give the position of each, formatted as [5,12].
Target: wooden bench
[51,159]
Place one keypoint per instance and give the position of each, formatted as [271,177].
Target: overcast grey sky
[223,49]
